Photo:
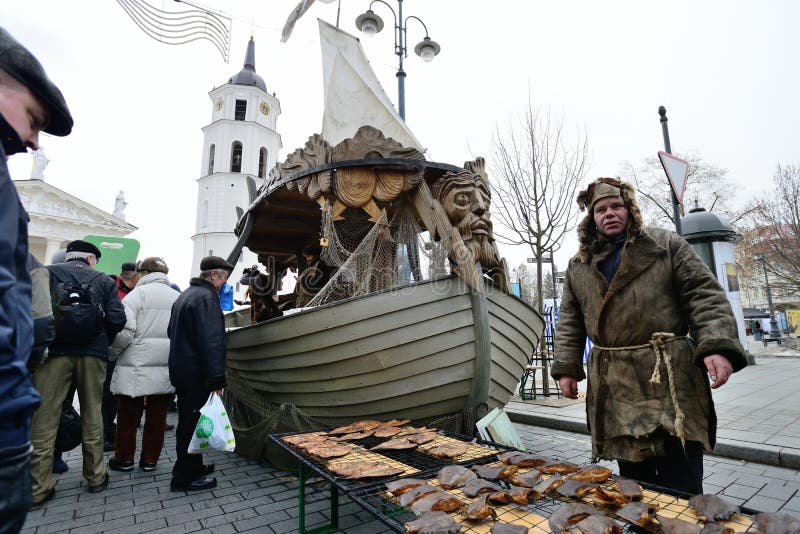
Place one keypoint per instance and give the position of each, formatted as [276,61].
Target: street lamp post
[370,24]
[774,332]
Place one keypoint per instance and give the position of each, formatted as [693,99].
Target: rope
[657,343]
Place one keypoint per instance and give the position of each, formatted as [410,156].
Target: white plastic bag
[213,431]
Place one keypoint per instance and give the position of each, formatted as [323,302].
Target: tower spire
[250,55]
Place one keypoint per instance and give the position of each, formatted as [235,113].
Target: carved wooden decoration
[454,209]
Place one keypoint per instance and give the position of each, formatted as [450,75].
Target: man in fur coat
[664,335]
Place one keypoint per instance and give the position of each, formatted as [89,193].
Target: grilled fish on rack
[631,489]
[479,485]
[330,451]
[575,490]
[433,522]
[479,510]
[526,480]
[609,497]
[525,459]
[591,473]
[358,426]
[415,494]
[447,450]
[713,508]
[297,439]
[358,470]
[777,523]
[357,435]
[547,485]
[454,476]
[567,514]
[437,501]
[395,444]
[562,468]
[387,431]
[638,513]
[598,524]
[398,487]
[494,472]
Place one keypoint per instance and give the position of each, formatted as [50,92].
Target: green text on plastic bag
[204,428]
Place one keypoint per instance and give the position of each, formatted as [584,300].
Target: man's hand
[719,369]
[569,386]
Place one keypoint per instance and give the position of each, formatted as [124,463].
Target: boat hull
[423,351]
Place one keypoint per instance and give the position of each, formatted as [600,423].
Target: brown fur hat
[588,235]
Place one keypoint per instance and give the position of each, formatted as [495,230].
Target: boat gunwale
[488,283]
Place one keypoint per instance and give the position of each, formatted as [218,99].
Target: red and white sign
[677,171]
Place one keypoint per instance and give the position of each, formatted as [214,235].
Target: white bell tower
[240,146]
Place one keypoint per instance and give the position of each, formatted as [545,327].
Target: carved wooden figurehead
[466,198]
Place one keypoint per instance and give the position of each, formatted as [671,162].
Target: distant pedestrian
[141,376]
[88,314]
[29,103]
[197,365]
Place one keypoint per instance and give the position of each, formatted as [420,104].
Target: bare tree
[776,230]
[707,185]
[537,172]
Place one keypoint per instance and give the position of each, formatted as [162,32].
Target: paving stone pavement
[256,497]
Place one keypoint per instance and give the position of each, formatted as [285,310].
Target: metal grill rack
[412,461]
[378,501]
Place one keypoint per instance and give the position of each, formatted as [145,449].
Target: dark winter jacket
[42,308]
[197,338]
[18,398]
[104,292]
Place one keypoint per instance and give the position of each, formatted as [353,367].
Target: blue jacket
[197,349]
[18,398]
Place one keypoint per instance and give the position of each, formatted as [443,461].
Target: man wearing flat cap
[29,103]
[88,315]
[663,333]
[196,365]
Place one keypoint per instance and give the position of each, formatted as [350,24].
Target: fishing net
[371,256]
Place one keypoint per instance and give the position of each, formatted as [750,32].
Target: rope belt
[658,343]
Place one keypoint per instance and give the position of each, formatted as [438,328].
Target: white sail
[353,95]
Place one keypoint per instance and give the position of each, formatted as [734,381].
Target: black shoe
[59,465]
[108,446]
[116,465]
[100,487]
[47,497]
[207,470]
[146,466]
[198,484]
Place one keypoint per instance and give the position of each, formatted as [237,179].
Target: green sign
[114,251]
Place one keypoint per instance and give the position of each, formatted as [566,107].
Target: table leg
[301,507]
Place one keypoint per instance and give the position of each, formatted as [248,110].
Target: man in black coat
[78,354]
[29,103]
[197,365]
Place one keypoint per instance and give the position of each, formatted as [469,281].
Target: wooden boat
[446,345]
[420,351]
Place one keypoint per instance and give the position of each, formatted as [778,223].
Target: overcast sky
[725,70]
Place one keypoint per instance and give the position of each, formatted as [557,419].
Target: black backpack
[78,317]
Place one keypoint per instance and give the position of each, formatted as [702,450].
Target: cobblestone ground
[256,497]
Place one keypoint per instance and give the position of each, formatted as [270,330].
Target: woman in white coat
[141,377]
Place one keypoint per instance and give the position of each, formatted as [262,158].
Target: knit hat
[128,267]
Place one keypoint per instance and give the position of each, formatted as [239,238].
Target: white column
[53,244]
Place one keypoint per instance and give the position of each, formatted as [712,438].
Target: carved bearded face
[466,200]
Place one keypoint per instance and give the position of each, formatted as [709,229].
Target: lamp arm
[405,23]
[394,15]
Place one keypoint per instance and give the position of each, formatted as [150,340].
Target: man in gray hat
[196,365]
[29,103]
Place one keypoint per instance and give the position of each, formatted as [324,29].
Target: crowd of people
[126,344]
